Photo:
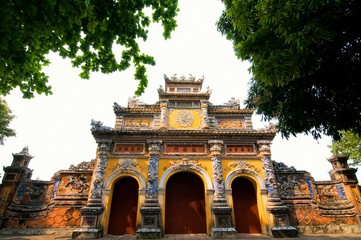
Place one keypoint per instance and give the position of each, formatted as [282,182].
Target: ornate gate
[185,206]
[123,212]
[245,206]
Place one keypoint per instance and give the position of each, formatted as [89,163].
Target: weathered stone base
[284,232]
[87,233]
[37,231]
[330,229]
[149,233]
[222,233]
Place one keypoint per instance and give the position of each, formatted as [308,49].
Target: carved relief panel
[184,119]
[137,122]
[231,123]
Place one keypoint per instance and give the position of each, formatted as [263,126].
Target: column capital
[163,104]
[264,146]
[154,146]
[104,145]
[204,103]
[215,147]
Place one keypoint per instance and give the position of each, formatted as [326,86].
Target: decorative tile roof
[199,132]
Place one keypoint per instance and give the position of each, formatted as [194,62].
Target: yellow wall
[168,167]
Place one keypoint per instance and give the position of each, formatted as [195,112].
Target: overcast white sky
[56,128]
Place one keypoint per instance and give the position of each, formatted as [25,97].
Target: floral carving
[78,183]
[127,165]
[185,164]
[242,165]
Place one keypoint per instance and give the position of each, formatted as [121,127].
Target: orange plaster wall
[307,216]
[58,217]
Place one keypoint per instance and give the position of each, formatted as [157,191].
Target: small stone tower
[14,174]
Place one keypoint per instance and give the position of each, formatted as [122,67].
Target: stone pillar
[163,114]
[275,205]
[223,226]
[204,108]
[90,219]
[150,211]
[14,175]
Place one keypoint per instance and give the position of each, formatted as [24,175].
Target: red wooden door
[245,206]
[123,212]
[184,207]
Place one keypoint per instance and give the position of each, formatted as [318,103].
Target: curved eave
[184,82]
[156,109]
[182,95]
[264,133]
[230,111]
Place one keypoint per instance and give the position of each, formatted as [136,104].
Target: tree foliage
[348,145]
[305,60]
[5,119]
[84,31]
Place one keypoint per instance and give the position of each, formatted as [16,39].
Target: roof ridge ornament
[233,103]
[134,102]
[182,78]
[98,126]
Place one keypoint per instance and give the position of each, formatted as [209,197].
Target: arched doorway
[245,206]
[185,206]
[123,212]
